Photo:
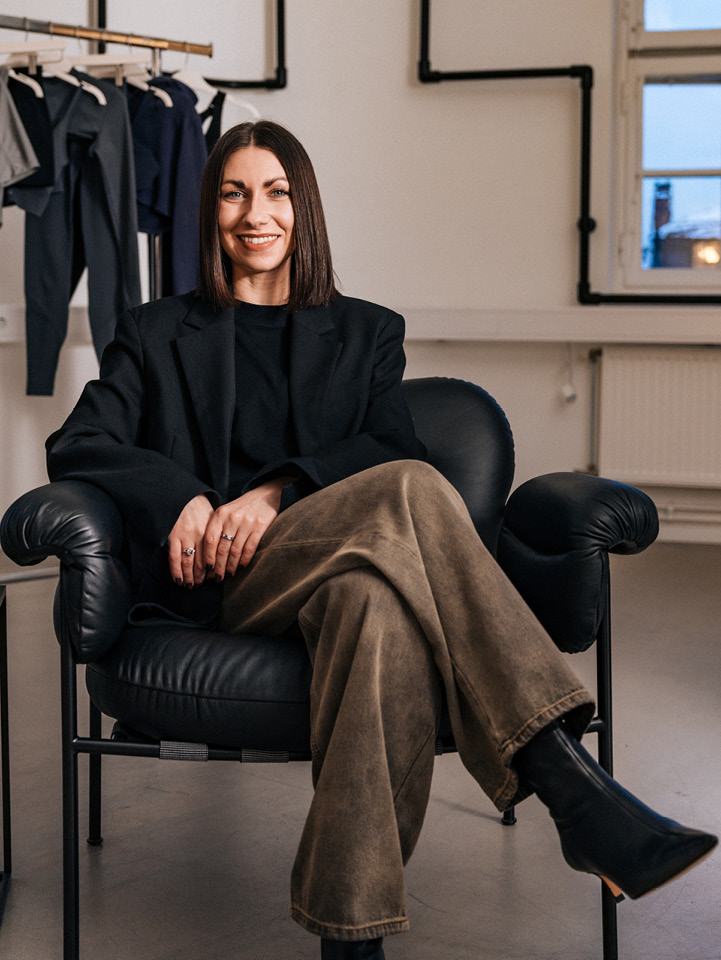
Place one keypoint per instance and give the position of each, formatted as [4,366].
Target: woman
[256,440]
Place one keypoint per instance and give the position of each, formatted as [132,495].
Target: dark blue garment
[170,155]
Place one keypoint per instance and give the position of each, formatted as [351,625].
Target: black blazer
[154,430]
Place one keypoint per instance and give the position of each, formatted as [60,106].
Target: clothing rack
[102,35]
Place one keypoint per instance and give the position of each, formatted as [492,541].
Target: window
[670,138]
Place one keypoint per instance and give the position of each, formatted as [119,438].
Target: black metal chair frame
[73,745]
[95,746]
[5,760]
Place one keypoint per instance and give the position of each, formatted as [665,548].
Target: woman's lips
[258,241]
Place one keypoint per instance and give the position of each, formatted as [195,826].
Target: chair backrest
[469,441]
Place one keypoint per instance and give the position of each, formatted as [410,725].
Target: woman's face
[255,222]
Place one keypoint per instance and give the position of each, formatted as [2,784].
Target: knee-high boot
[603,828]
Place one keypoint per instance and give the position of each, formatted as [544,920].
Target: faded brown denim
[398,600]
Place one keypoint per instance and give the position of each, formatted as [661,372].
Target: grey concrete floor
[197,856]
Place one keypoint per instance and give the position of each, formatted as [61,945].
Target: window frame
[643,56]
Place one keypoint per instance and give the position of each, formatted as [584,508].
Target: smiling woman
[260,170]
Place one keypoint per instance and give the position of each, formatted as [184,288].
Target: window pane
[682,15]
[681,223]
[681,126]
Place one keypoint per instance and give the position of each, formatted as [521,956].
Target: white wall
[454,196]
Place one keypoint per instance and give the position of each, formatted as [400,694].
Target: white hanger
[194,80]
[156,91]
[32,53]
[30,46]
[133,67]
[59,72]
[28,81]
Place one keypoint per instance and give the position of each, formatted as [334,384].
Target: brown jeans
[399,602]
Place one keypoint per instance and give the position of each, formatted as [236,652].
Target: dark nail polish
[208,567]
[188,586]
[179,581]
[218,578]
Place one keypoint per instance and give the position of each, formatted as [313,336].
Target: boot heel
[616,892]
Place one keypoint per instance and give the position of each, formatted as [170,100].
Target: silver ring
[225,536]
[189,551]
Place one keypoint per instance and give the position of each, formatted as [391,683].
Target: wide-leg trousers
[401,606]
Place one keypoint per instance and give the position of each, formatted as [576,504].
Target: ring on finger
[189,551]
[226,536]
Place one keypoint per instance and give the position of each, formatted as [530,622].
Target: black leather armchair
[183,692]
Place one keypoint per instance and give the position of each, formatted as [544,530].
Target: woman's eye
[279,192]
[232,195]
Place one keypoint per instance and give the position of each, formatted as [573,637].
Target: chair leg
[95,834]
[5,756]
[71,886]
[605,758]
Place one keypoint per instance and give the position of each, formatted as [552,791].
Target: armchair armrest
[79,524]
[557,532]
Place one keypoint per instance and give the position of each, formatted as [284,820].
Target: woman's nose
[256,212]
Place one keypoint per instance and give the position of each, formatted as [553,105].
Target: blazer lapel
[314,352]
[207,356]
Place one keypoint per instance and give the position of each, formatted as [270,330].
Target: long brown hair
[312,282]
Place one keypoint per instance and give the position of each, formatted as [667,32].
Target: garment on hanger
[17,156]
[33,110]
[170,155]
[225,111]
[213,112]
[86,218]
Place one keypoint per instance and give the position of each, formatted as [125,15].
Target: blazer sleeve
[386,433]
[103,442]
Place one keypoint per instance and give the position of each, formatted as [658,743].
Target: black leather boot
[352,949]
[604,829]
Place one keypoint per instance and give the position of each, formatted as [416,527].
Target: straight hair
[312,281]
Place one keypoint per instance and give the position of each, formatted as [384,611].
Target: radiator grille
[659,417]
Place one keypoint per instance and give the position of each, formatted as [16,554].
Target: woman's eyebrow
[268,183]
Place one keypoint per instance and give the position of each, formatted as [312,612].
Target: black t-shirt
[263,430]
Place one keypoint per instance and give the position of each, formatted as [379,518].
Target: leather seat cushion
[200,686]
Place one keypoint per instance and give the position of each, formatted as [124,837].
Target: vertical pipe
[586,224]
[101,18]
[594,419]
[424,65]
[280,73]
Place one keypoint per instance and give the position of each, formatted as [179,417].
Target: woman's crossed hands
[212,543]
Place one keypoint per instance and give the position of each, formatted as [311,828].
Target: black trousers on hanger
[88,218]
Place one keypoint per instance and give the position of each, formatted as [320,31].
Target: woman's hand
[243,521]
[189,532]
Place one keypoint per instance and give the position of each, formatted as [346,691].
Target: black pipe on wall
[277,82]
[586,223]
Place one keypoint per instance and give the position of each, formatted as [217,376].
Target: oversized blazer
[155,429]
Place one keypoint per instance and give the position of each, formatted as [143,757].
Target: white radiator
[659,415]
